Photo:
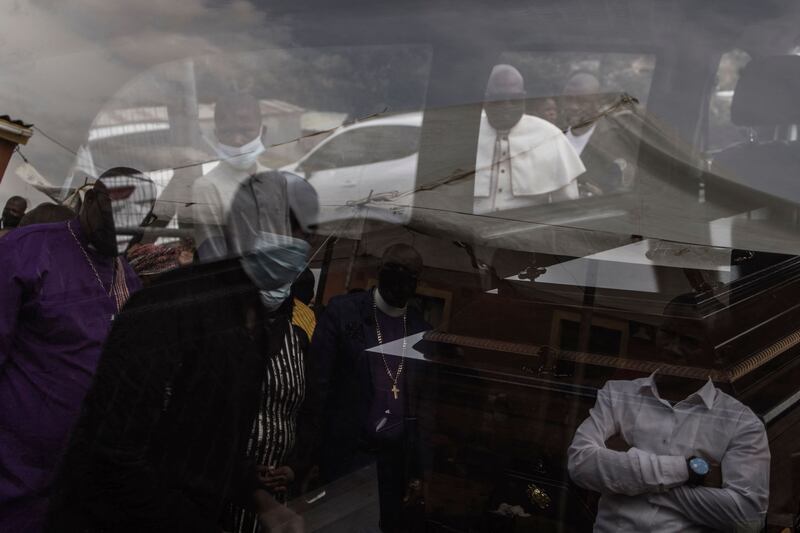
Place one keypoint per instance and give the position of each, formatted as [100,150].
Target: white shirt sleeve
[741,504]
[593,466]
[209,226]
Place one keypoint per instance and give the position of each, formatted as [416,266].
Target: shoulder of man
[620,389]
[28,239]
[530,123]
[218,278]
[537,132]
[735,408]
[417,322]
[352,302]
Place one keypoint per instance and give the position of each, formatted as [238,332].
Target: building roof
[14,131]
[13,121]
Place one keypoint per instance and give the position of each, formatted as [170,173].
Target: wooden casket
[504,384]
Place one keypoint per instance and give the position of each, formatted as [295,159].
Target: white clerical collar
[385,307]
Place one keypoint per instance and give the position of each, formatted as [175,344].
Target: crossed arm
[739,505]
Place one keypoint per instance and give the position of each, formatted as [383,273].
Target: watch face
[699,466]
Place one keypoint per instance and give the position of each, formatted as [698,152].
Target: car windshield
[416,266]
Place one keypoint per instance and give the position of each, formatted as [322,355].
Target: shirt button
[503,171]
[504,153]
[500,190]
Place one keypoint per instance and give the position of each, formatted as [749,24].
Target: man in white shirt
[607,143]
[237,142]
[659,484]
[522,160]
[580,108]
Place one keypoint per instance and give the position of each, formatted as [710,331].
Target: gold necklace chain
[91,264]
[396,376]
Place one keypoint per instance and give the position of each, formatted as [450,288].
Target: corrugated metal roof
[17,122]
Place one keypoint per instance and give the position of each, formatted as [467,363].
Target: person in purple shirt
[60,288]
[366,402]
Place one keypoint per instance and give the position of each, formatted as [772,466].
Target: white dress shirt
[579,142]
[531,164]
[212,195]
[644,489]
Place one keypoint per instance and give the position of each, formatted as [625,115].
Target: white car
[363,165]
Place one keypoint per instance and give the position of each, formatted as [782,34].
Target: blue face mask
[274,264]
[273,299]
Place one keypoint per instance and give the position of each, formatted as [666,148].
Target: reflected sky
[64,63]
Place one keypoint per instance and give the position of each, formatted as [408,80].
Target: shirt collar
[384,306]
[707,392]
[588,132]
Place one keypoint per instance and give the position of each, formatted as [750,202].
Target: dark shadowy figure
[365,396]
[168,431]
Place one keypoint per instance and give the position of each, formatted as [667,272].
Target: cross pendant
[395,390]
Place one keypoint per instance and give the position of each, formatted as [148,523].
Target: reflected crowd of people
[197,385]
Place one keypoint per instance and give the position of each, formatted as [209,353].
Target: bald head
[581,102]
[402,255]
[505,97]
[582,84]
[400,268]
[505,80]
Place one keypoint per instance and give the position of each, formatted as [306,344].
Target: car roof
[404,119]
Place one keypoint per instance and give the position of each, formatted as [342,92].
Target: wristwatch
[698,470]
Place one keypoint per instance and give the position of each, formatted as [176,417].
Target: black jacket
[341,377]
[160,443]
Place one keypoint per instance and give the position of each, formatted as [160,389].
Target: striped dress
[275,427]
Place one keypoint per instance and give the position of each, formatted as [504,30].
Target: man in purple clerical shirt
[60,288]
[363,394]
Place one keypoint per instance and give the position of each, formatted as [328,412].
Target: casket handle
[538,497]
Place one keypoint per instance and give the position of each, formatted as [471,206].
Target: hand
[276,479]
[281,519]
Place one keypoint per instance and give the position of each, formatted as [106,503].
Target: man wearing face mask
[183,409]
[365,394]
[237,142]
[522,160]
[61,287]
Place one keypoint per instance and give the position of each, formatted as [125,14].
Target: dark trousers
[389,458]
[390,461]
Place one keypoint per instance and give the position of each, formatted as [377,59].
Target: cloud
[62,61]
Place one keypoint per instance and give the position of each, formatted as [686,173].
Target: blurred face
[580,102]
[680,341]
[504,111]
[505,97]
[548,110]
[13,212]
[236,126]
[97,220]
[579,109]
[397,284]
